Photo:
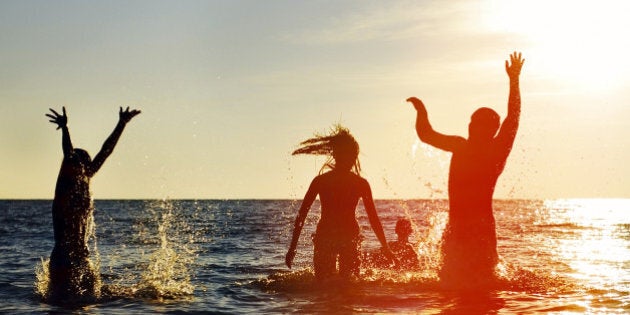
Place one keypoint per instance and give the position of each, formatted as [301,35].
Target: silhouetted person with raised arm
[337,237]
[72,276]
[469,242]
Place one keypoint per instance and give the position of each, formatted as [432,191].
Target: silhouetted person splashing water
[469,242]
[72,277]
[338,235]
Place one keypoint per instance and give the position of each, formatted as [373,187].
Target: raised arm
[310,196]
[426,132]
[507,133]
[62,122]
[109,144]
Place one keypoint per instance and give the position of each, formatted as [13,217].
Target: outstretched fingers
[54,112]
[513,67]
[517,58]
[56,118]
[127,114]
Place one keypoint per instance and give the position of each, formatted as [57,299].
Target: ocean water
[227,256]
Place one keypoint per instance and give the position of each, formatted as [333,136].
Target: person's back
[407,256]
[336,238]
[339,195]
[473,174]
[72,206]
[72,276]
[469,240]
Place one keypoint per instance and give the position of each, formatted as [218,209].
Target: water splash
[42,278]
[85,278]
[428,246]
[168,273]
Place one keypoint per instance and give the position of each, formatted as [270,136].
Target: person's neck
[341,170]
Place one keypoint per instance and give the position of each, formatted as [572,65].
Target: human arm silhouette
[375,222]
[507,133]
[427,134]
[310,196]
[109,144]
[62,123]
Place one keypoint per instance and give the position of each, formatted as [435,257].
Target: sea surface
[227,256]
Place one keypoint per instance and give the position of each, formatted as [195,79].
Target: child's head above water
[339,145]
[403,228]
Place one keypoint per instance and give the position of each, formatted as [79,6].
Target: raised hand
[417,104]
[60,120]
[514,69]
[126,115]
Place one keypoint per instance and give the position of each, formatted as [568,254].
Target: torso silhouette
[72,275]
[339,193]
[474,170]
[72,208]
[469,240]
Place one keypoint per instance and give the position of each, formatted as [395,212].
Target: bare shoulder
[362,182]
[318,179]
[321,179]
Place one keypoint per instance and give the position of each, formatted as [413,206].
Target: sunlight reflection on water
[598,251]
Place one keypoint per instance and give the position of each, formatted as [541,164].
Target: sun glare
[596,251]
[579,42]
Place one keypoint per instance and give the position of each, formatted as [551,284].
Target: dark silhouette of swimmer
[469,242]
[72,276]
[402,249]
[337,236]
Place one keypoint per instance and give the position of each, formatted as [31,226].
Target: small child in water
[337,237]
[402,248]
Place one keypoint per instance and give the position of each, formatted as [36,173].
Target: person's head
[77,161]
[484,124]
[340,145]
[403,229]
[345,150]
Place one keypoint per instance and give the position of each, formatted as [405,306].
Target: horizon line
[293,199]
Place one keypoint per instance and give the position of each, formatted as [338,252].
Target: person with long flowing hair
[339,186]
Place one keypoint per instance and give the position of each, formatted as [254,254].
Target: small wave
[508,278]
[567,225]
[304,281]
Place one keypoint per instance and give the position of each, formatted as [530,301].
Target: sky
[228,89]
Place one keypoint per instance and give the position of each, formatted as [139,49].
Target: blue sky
[229,88]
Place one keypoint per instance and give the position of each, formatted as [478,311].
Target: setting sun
[319,157]
[583,43]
